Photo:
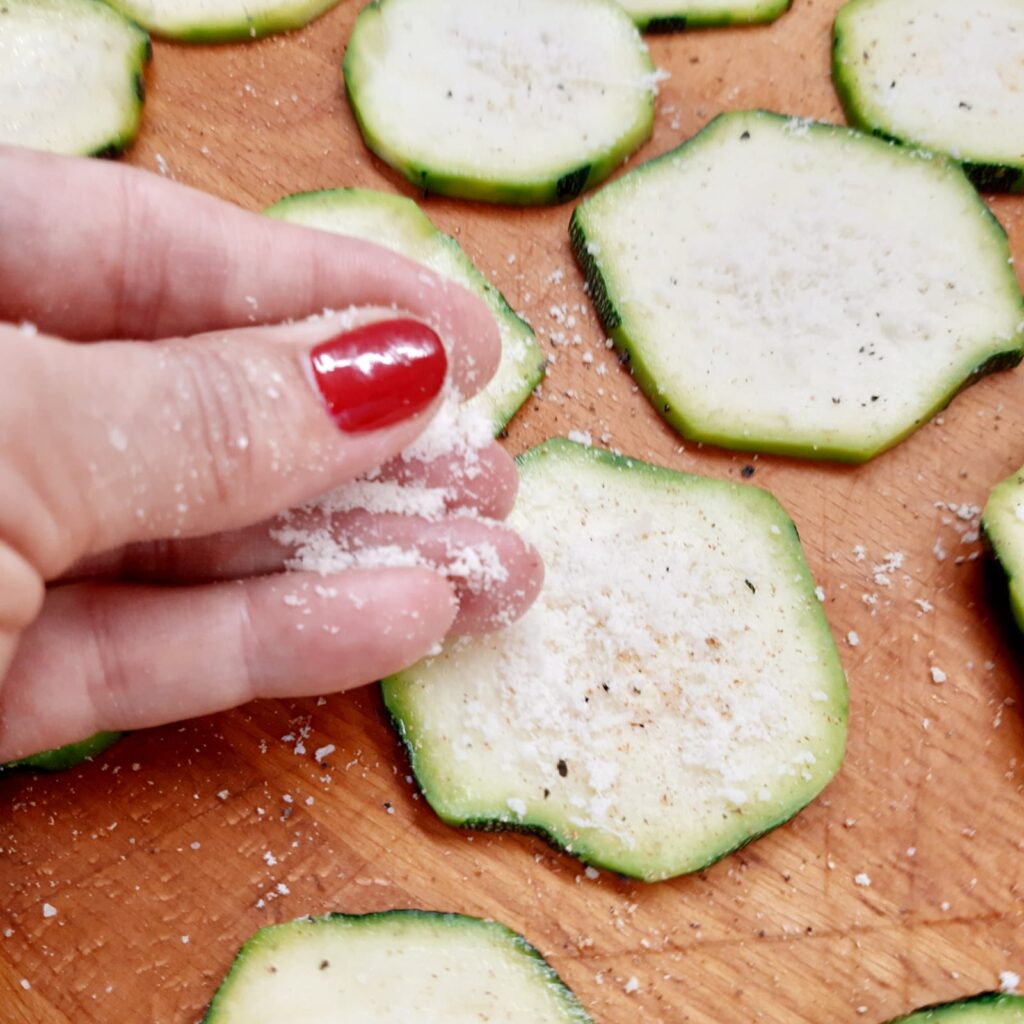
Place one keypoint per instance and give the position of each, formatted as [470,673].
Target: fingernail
[379,374]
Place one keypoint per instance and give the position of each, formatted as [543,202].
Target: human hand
[139,581]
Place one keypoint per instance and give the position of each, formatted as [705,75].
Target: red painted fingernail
[379,374]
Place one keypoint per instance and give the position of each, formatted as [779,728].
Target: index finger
[91,250]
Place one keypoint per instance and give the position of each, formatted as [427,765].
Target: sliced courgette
[512,101]
[70,76]
[674,692]
[399,224]
[1002,523]
[392,968]
[217,21]
[801,288]
[987,1008]
[672,15]
[68,756]
[940,74]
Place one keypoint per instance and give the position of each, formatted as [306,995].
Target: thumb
[116,442]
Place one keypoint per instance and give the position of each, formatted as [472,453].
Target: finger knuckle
[223,412]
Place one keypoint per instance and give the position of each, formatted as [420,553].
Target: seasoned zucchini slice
[392,968]
[940,74]
[216,21]
[67,756]
[512,101]
[674,692]
[987,1008]
[1002,522]
[399,224]
[70,76]
[783,286]
[671,15]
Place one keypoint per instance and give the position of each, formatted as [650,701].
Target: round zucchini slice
[218,21]
[940,74]
[672,15]
[512,101]
[674,692]
[1002,523]
[70,76]
[392,968]
[399,224]
[987,1008]
[785,286]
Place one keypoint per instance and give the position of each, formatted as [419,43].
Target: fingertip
[505,598]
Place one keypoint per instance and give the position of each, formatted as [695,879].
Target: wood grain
[166,854]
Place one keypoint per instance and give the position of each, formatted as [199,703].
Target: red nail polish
[379,374]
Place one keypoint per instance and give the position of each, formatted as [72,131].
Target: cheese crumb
[938,676]
[325,751]
[863,879]
[516,806]
[49,910]
[1009,981]
[631,986]
[853,638]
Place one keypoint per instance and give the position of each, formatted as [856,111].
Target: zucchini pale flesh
[670,15]
[793,287]
[941,74]
[215,21]
[987,1008]
[392,968]
[1003,525]
[399,224]
[673,693]
[70,76]
[512,101]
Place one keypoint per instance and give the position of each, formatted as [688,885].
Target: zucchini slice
[67,756]
[801,288]
[399,224]
[1002,523]
[70,76]
[673,15]
[941,74]
[219,21]
[987,1008]
[512,101]
[674,692]
[392,968]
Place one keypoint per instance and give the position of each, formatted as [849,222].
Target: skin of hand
[158,410]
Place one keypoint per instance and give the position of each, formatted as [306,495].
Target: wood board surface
[163,856]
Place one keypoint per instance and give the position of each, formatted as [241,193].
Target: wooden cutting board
[166,854]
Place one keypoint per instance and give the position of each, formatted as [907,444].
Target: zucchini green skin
[679,420]
[986,175]
[694,17]
[565,838]
[491,931]
[290,16]
[985,1008]
[561,186]
[420,238]
[997,527]
[139,57]
[68,756]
